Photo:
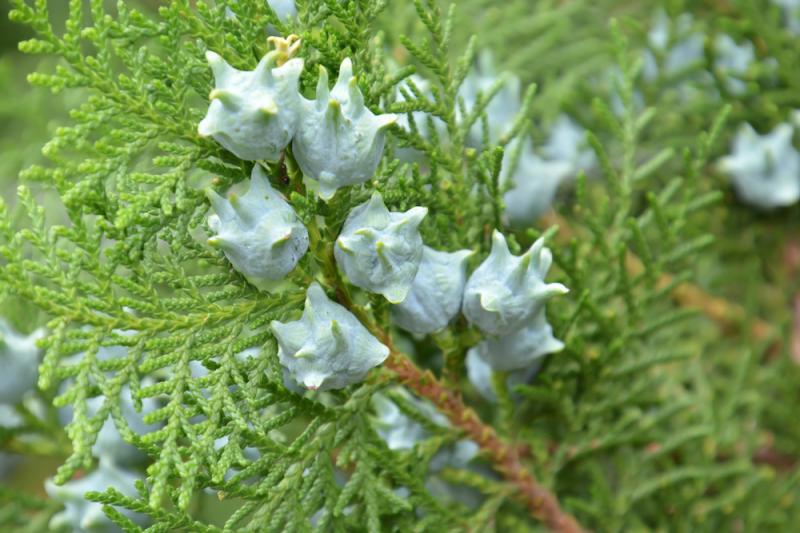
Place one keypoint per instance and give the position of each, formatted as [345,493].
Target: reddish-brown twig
[541,504]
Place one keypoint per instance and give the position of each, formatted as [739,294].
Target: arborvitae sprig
[633,413]
[131,260]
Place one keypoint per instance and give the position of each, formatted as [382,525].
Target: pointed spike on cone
[415,215]
[314,381]
[241,209]
[292,69]
[380,250]
[264,68]
[489,301]
[323,92]
[376,202]
[344,244]
[259,182]
[553,289]
[268,109]
[356,98]
[365,232]
[326,191]
[499,245]
[337,332]
[553,345]
[537,247]
[395,295]
[220,205]
[219,67]
[315,296]
[345,71]
[227,98]
[303,352]
[462,255]
[283,239]
[277,42]
[397,224]
[521,269]
[216,241]
[544,262]
[411,220]
[334,110]
[384,121]
[749,131]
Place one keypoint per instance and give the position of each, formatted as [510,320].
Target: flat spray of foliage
[629,428]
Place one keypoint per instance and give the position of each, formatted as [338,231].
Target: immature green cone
[328,348]
[521,348]
[436,292]
[259,232]
[401,432]
[380,250]
[481,374]
[339,141]
[506,291]
[764,169]
[254,114]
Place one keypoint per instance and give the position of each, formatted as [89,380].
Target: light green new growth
[628,427]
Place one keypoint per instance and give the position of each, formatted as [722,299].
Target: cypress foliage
[673,403]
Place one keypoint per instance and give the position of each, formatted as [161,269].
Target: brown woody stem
[541,504]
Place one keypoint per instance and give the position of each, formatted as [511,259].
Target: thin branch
[541,504]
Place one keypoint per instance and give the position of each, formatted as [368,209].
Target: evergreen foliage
[667,409]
